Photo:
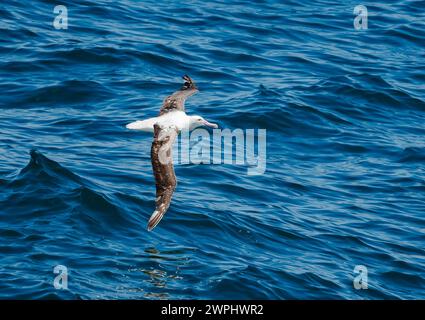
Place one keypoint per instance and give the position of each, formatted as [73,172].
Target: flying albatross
[171,120]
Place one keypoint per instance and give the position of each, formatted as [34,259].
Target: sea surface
[344,186]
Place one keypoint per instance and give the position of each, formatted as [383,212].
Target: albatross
[172,119]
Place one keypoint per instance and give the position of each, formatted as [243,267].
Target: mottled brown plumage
[161,152]
[162,165]
[177,99]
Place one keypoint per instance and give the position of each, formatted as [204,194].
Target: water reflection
[163,272]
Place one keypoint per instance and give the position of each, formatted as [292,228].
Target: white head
[198,121]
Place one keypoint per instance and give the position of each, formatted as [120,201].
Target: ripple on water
[344,183]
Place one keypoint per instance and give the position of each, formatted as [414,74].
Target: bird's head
[198,121]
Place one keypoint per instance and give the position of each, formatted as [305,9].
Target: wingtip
[188,83]
[154,219]
[150,226]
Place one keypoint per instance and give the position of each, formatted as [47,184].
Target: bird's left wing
[162,164]
[177,99]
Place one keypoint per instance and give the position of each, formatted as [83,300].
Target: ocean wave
[54,188]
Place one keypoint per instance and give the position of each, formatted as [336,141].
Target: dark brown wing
[177,99]
[162,164]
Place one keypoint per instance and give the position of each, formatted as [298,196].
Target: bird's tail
[155,219]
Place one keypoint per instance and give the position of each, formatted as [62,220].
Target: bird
[172,119]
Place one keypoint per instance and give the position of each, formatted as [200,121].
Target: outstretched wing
[177,99]
[162,164]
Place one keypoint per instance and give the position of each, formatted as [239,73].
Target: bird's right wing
[177,99]
[162,165]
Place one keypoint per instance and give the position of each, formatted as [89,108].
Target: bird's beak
[209,124]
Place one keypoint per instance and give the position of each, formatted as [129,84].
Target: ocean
[337,212]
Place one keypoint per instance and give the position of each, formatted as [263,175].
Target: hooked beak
[209,124]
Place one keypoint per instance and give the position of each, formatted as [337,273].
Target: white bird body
[176,118]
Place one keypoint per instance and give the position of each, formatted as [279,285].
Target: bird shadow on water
[159,273]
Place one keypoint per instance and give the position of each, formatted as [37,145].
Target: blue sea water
[344,111]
